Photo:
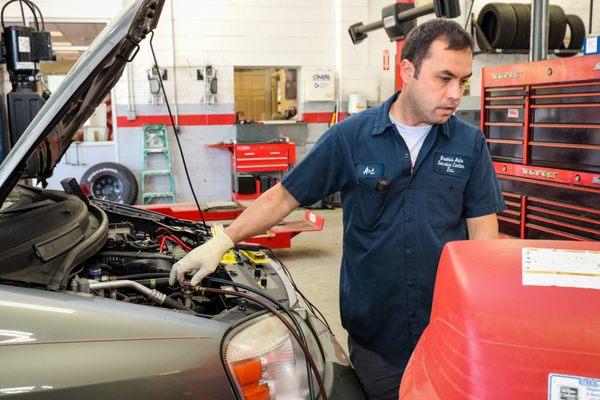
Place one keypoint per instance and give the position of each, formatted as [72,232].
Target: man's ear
[407,71]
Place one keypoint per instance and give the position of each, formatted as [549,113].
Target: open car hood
[93,76]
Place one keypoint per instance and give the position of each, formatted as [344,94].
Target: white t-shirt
[413,136]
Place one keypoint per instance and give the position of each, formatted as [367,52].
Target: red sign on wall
[386,60]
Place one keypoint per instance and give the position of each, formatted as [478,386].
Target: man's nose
[454,90]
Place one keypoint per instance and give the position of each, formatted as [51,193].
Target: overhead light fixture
[62,43]
[68,52]
[56,34]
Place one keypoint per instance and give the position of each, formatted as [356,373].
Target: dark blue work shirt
[395,222]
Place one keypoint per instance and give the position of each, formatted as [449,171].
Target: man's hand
[266,211]
[205,257]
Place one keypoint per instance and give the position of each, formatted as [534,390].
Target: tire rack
[542,123]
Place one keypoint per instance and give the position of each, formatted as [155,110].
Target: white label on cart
[560,267]
[513,113]
[25,65]
[312,218]
[24,44]
[591,45]
[566,387]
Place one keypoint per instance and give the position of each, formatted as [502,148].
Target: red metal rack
[542,123]
[271,158]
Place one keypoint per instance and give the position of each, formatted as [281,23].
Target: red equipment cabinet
[278,237]
[492,338]
[542,123]
[258,158]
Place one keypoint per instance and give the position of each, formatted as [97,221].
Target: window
[69,41]
[266,93]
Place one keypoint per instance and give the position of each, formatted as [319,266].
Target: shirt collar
[383,121]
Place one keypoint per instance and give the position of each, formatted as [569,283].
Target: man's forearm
[265,212]
[482,228]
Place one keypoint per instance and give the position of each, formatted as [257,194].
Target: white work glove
[205,257]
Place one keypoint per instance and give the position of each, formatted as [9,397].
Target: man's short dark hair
[417,42]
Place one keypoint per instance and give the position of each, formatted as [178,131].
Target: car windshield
[12,199]
[21,199]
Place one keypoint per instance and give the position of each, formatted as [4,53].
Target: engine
[135,263]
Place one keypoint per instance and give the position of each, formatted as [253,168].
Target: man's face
[438,89]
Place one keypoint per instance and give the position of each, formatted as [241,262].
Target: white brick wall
[237,33]
[229,33]
[209,168]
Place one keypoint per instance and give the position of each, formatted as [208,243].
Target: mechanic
[412,177]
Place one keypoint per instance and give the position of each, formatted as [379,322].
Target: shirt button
[409,186]
[406,155]
[451,186]
[409,218]
[411,284]
[410,252]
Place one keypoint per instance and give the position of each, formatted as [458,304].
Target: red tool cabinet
[542,123]
[271,159]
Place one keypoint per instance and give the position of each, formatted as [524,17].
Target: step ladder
[155,143]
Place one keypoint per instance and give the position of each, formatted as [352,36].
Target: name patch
[452,164]
[370,170]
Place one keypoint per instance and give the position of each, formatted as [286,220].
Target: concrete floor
[314,262]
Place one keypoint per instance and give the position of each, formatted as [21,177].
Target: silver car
[86,311]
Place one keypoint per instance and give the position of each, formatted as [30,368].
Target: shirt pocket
[369,207]
[445,197]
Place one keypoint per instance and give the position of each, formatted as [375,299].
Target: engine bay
[135,262]
[126,254]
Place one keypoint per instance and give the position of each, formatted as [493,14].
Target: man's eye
[463,82]
[445,78]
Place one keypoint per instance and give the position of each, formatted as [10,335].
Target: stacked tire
[508,26]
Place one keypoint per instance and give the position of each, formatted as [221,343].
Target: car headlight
[266,362]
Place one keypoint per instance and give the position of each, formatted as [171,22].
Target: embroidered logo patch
[370,170]
[452,164]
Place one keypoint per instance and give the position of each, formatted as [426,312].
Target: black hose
[591,16]
[278,304]
[22,12]
[144,276]
[175,304]
[39,12]
[143,248]
[135,254]
[153,282]
[271,253]
[175,132]
[468,15]
[154,265]
[29,4]
[288,325]
[310,305]
[123,297]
